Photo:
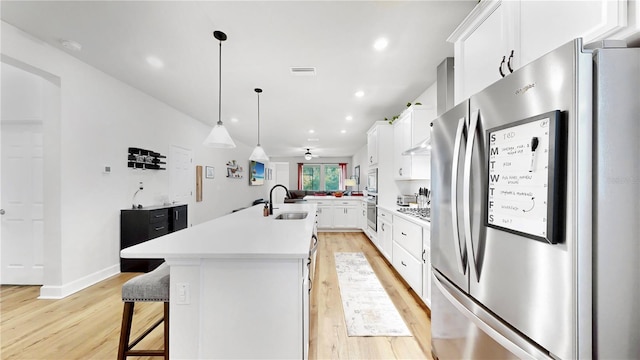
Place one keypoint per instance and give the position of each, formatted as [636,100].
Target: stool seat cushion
[152,286]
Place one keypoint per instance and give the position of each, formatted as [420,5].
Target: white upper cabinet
[372,146]
[499,37]
[411,128]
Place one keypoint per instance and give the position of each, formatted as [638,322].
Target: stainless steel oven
[372,212]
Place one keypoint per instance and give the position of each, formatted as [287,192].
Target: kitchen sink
[292,216]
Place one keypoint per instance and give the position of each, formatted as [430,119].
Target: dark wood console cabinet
[140,225]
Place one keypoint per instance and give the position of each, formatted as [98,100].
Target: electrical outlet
[141,186]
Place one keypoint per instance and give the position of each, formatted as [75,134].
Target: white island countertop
[243,234]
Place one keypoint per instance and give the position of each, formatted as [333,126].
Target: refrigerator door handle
[486,322]
[460,258]
[471,137]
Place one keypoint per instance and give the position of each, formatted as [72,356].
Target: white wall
[360,158]
[99,118]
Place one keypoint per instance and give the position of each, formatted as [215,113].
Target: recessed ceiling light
[234,120]
[349,118]
[380,44]
[71,45]
[155,62]
[359,93]
[311,131]
[343,131]
[313,139]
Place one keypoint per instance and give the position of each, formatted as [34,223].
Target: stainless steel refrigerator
[535,226]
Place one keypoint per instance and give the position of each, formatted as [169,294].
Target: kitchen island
[239,285]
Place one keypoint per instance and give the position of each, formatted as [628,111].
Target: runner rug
[368,310]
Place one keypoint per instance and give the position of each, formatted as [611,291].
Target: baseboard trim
[60,292]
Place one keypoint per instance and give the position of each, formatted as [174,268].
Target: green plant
[394,118]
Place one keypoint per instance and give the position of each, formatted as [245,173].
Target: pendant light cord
[258,119]
[220,85]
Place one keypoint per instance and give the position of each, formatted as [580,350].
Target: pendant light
[258,153]
[219,136]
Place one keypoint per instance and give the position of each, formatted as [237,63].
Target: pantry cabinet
[499,37]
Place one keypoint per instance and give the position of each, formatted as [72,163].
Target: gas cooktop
[420,213]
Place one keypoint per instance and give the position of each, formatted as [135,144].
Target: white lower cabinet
[407,252]
[363,215]
[426,276]
[338,213]
[385,234]
[345,215]
[325,216]
[408,266]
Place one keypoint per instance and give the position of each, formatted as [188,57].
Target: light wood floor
[86,325]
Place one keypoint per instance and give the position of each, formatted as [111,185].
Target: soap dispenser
[265,211]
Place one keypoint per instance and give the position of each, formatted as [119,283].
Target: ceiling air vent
[303,71]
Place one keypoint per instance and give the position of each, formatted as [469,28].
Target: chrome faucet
[271,196]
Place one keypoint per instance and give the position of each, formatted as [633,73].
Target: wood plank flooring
[86,325]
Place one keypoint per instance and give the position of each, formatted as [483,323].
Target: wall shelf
[145,159]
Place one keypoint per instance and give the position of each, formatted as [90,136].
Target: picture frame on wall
[210,172]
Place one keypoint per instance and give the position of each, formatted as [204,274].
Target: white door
[181,174]
[280,176]
[22,204]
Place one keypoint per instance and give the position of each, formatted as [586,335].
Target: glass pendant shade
[219,138]
[258,153]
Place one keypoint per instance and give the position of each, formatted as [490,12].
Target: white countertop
[243,234]
[413,219]
[331,197]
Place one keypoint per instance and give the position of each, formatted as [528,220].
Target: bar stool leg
[166,330]
[125,330]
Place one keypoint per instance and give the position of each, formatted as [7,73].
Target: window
[321,177]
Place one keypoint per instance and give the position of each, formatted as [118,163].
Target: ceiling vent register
[303,71]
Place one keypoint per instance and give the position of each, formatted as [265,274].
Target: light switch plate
[184,294]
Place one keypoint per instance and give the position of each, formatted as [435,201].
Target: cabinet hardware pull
[504,58]
[159,228]
[382,226]
[403,233]
[423,259]
[159,216]
[509,62]
[402,262]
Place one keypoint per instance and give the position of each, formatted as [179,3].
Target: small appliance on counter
[405,200]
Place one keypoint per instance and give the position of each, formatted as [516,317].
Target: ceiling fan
[309,156]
